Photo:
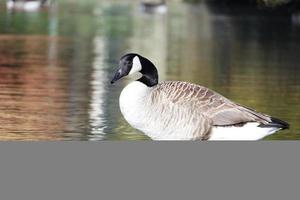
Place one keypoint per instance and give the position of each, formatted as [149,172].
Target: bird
[152,7]
[26,5]
[178,110]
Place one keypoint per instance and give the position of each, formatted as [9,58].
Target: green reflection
[252,60]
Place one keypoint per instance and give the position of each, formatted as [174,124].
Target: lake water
[56,65]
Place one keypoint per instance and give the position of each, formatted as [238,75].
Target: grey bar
[149,170]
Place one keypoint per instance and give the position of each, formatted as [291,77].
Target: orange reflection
[33,93]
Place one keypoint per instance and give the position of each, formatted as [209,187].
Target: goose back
[212,105]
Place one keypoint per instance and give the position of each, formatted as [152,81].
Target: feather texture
[175,110]
[201,105]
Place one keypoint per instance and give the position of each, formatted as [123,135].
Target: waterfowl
[176,110]
[26,5]
[152,7]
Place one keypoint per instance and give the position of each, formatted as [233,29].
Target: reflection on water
[55,65]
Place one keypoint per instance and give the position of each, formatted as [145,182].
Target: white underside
[148,119]
[249,131]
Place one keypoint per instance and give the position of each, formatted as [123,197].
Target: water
[56,65]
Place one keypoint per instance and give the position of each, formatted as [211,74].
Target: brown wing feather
[214,106]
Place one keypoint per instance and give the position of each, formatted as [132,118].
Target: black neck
[149,72]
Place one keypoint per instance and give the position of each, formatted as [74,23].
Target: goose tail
[276,123]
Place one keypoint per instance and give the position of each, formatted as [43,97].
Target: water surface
[56,65]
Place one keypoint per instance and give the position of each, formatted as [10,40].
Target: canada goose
[175,110]
[26,5]
[151,7]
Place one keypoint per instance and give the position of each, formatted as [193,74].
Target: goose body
[26,5]
[149,7]
[175,110]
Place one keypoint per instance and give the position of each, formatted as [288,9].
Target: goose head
[132,63]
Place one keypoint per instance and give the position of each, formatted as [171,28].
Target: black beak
[117,76]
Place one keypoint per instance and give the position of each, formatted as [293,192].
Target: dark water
[55,65]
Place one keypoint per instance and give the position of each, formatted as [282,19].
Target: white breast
[132,103]
[153,118]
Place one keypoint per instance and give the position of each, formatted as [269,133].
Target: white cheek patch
[136,65]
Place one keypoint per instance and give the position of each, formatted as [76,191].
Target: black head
[132,63]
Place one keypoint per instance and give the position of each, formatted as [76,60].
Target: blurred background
[57,59]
